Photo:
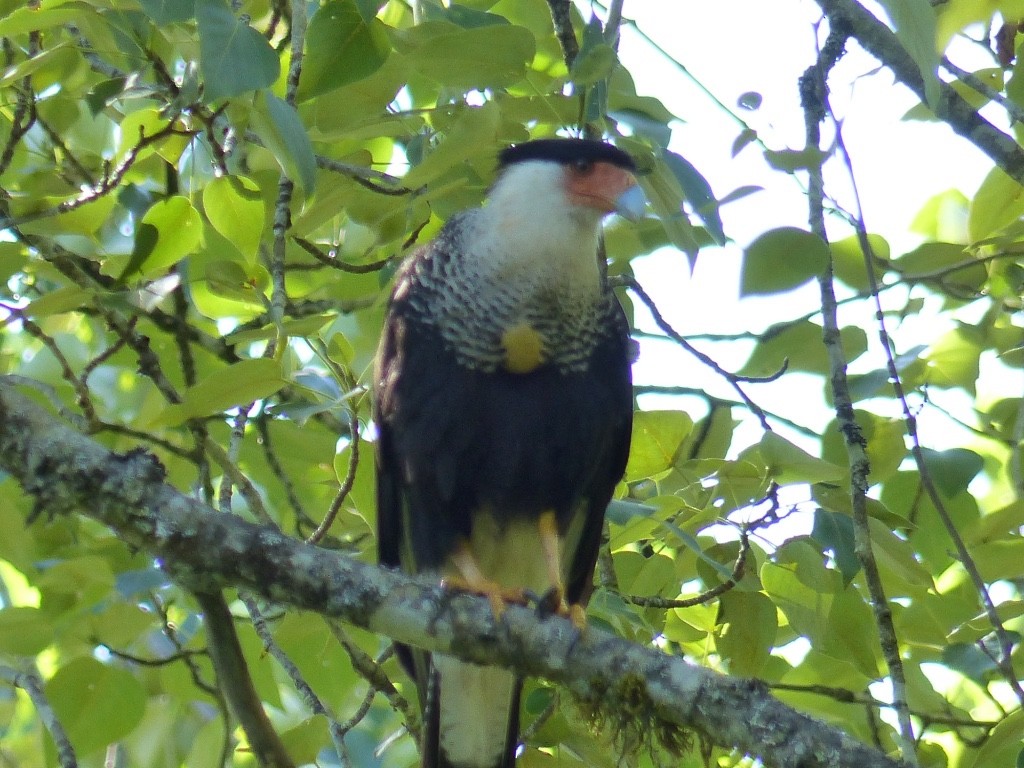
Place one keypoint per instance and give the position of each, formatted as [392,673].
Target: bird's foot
[496,594]
[552,603]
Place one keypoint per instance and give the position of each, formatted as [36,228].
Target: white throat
[530,232]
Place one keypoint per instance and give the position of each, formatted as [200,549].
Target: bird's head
[540,228]
[592,177]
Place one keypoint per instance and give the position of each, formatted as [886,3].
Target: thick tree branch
[878,40]
[66,472]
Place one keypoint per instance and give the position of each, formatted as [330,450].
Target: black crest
[565,151]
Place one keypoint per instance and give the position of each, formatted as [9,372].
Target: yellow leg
[550,540]
[471,579]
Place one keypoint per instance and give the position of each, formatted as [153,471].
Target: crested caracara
[503,404]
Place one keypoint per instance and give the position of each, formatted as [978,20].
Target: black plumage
[477,441]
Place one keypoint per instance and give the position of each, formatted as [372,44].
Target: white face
[535,225]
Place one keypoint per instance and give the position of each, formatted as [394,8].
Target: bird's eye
[582,165]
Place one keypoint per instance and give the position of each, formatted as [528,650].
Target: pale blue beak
[632,204]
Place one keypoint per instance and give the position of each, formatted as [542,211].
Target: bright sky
[736,46]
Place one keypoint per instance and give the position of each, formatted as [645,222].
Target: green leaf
[791,160]
[969,660]
[656,438]
[593,64]
[850,635]
[51,57]
[1000,559]
[58,301]
[341,47]
[483,57]
[233,385]
[998,202]
[952,470]
[848,260]
[280,128]
[170,231]
[234,281]
[799,346]
[1003,743]
[915,25]
[233,57]
[235,209]
[897,556]
[835,531]
[782,259]
[83,220]
[169,11]
[751,626]
[698,193]
[96,703]
[665,195]
[305,740]
[806,607]
[790,464]
[472,134]
[462,15]
[29,19]
[954,360]
[24,631]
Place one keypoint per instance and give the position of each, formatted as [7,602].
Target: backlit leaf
[341,47]
[169,232]
[237,384]
[235,209]
[791,464]
[999,201]
[169,11]
[483,57]
[97,704]
[278,124]
[656,438]
[782,259]
[233,57]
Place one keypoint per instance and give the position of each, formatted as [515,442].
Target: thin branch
[111,179]
[313,702]
[30,683]
[346,485]
[1006,643]
[814,98]
[1015,112]
[370,669]
[733,379]
[561,20]
[235,682]
[343,266]
[704,597]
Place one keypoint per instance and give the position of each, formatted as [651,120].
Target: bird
[503,406]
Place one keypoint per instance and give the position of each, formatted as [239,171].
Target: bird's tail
[471,715]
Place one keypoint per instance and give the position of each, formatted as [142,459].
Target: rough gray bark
[67,472]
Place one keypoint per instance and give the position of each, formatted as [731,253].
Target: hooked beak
[632,204]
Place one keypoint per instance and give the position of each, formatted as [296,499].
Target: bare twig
[313,702]
[704,597]
[814,97]
[30,683]
[732,378]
